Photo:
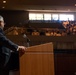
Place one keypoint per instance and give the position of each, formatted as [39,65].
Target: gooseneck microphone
[27,39]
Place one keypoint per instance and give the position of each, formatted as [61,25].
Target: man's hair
[1,18]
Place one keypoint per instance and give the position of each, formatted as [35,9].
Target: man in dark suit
[5,49]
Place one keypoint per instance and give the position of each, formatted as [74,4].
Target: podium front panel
[37,61]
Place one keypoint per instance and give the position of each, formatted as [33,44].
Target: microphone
[28,40]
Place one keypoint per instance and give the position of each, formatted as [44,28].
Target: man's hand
[22,48]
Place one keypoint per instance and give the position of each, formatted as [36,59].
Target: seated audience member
[58,33]
[63,33]
[13,32]
[74,29]
[22,31]
[47,33]
[52,33]
[35,32]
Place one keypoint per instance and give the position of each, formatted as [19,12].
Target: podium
[37,60]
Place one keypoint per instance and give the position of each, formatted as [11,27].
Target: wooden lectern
[38,60]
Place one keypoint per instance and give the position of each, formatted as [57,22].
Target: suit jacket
[5,48]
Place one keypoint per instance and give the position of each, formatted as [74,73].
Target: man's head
[1,22]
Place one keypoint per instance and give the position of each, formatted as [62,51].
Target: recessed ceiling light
[68,9]
[4,1]
[3,7]
[75,4]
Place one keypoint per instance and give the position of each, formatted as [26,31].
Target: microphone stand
[28,42]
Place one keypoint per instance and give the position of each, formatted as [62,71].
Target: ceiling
[39,5]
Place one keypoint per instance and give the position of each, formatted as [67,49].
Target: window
[35,16]
[39,16]
[54,16]
[32,16]
[66,17]
[70,17]
[63,17]
[47,16]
